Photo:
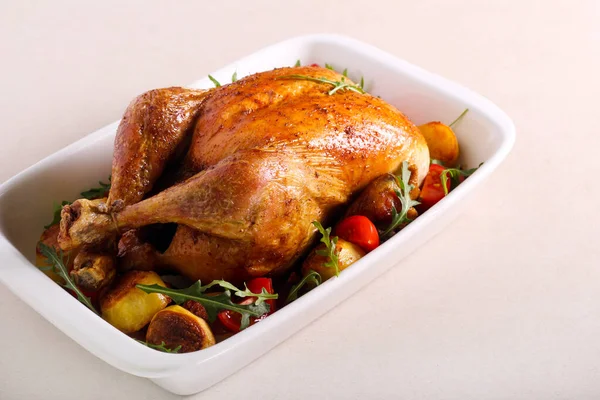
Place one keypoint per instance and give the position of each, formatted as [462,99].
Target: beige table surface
[503,304]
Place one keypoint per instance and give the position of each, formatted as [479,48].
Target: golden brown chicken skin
[269,155]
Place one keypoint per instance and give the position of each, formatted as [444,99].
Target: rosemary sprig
[160,347]
[312,277]
[58,266]
[330,247]
[399,218]
[342,84]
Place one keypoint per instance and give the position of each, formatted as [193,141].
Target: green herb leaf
[213,303]
[59,268]
[234,77]
[313,277]
[330,248]
[459,117]
[297,63]
[260,297]
[362,83]
[401,218]
[56,215]
[342,84]
[213,80]
[455,174]
[329,66]
[345,73]
[99,192]
[160,347]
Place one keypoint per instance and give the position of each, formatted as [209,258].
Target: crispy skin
[271,154]
[150,132]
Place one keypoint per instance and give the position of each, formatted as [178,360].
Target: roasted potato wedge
[128,308]
[348,253]
[175,326]
[442,142]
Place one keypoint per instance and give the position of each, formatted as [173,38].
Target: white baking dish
[485,134]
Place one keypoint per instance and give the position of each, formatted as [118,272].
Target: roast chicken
[240,172]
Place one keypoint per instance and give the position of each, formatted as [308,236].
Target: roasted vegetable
[441,141]
[347,254]
[128,308]
[176,327]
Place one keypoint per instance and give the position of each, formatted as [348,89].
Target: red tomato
[359,230]
[314,65]
[233,320]
[432,190]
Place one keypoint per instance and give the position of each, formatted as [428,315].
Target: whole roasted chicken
[242,170]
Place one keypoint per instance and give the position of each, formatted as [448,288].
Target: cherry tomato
[432,190]
[359,230]
[233,320]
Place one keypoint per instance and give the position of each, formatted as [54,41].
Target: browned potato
[442,142]
[128,308]
[348,253]
[175,326]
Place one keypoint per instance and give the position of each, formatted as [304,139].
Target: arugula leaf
[56,215]
[455,174]
[400,218]
[312,277]
[297,63]
[213,80]
[212,302]
[459,117]
[99,192]
[342,84]
[260,297]
[58,266]
[160,347]
[330,247]
[234,77]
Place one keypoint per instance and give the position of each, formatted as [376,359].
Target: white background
[505,303]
